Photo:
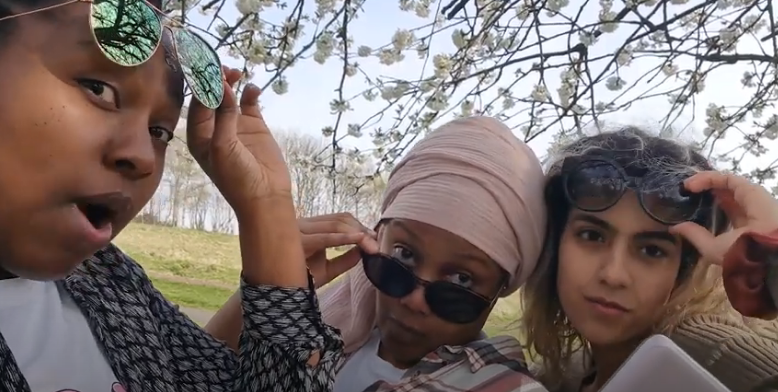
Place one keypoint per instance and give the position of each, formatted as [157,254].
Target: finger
[316,242]
[745,193]
[334,223]
[341,264]
[329,217]
[200,121]
[369,244]
[249,101]
[734,212]
[225,127]
[349,219]
[702,240]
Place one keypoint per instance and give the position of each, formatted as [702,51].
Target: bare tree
[308,183]
[540,65]
[221,214]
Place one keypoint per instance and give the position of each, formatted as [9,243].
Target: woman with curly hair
[630,253]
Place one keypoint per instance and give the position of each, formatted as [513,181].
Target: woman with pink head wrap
[463,223]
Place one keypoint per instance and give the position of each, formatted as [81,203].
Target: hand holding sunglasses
[749,207]
[236,150]
[323,232]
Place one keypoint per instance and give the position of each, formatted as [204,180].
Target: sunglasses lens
[127,31]
[454,303]
[388,275]
[201,66]
[667,201]
[594,185]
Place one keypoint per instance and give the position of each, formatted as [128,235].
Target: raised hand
[750,208]
[327,231]
[236,150]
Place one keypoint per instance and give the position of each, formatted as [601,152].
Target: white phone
[659,365]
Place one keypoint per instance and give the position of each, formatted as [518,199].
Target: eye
[403,254]
[461,279]
[101,91]
[591,235]
[653,251]
[162,134]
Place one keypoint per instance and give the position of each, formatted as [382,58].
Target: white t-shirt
[365,367]
[51,340]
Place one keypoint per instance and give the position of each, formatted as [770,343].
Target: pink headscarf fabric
[471,177]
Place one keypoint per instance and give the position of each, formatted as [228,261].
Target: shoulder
[739,356]
[111,261]
[110,267]
[493,361]
[497,349]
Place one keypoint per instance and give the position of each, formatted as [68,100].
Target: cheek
[655,287]
[384,306]
[575,266]
[46,137]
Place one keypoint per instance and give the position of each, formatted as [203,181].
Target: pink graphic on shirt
[116,387]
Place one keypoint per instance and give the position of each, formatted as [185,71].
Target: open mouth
[98,215]
[102,210]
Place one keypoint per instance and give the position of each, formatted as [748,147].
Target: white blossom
[539,93]
[615,83]
[364,51]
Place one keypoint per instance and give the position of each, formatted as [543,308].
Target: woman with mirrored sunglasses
[631,253]
[92,91]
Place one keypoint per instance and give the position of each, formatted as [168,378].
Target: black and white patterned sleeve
[282,329]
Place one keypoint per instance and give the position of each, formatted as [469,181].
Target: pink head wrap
[471,177]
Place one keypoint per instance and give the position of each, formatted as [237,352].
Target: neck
[608,359]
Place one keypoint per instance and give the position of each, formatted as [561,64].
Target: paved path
[198,315]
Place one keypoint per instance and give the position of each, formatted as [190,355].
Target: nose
[416,302]
[131,153]
[613,270]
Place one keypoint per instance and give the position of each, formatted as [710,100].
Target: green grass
[200,270]
[192,295]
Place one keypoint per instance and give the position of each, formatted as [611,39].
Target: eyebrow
[662,235]
[466,257]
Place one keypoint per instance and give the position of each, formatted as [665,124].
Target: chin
[46,269]
[598,334]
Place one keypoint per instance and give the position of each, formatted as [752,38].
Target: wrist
[264,205]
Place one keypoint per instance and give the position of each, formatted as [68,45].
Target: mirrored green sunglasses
[129,32]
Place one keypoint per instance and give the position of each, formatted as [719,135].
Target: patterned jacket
[489,365]
[152,347]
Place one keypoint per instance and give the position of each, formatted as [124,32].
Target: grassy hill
[200,270]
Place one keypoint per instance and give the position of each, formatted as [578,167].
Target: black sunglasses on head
[597,184]
[449,301]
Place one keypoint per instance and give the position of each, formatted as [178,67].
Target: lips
[606,304]
[102,209]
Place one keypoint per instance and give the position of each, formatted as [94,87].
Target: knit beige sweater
[739,357]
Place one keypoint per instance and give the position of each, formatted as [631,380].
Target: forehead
[426,234]
[626,216]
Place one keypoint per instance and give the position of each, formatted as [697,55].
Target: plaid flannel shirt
[489,365]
